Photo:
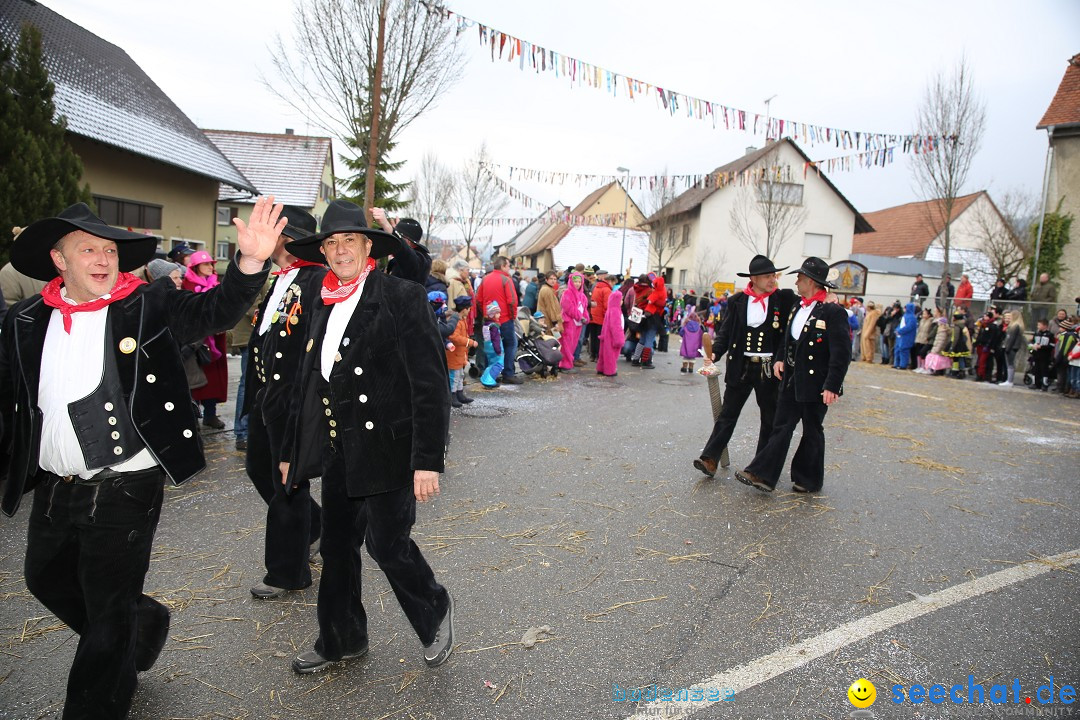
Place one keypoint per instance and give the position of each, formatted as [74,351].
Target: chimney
[288,131]
[749,150]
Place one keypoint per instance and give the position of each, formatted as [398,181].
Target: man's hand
[258,237]
[284,468]
[778,369]
[379,216]
[829,397]
[425,484]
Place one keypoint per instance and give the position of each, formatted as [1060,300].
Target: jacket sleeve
[425,364]
[727,329]
[192,316]
[839,349]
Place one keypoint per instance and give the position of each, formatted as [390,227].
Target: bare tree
[954,117]
[327,71]
[769,209]
[1003,234]
[477,199]
[666,237]
[432,191]
[709,269]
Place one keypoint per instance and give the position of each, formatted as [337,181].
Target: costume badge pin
[345,342]
[775,324]
[820,324]
[128,345]
[309,344]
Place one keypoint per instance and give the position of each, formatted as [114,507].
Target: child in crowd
[691,332]
[1042,354]
[958,346]
[1074,359]
[457,357]
[493,348]
[612,337]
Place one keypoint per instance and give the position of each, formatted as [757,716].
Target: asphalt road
[572,505]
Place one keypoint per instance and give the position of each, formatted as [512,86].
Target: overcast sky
[850,64]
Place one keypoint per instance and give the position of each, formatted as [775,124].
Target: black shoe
[262,591]
[241,443]
[648,366]
[454,402]
[462,398]
[512,380]
[439,650]
[311,661]
[636,363]
[213,421]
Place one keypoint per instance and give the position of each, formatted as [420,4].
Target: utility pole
[376,109]
[768,118]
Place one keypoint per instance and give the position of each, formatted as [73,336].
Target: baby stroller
[1029,371]
[537,351]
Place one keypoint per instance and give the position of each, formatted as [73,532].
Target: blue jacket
[909,325]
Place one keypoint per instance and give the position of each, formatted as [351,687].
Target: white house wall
[711,235]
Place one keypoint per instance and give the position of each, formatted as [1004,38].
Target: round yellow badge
[128,345]
[862,693]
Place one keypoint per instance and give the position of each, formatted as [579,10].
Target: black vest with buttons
[759,339]
[102,420]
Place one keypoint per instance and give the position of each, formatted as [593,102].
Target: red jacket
[497,285]
[963,293]
[600,296]
[657,298]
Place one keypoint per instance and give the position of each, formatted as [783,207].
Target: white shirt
[755,312]
[800,320]
[281,285]
[340,314]
[72,367]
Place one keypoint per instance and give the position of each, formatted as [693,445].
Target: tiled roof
[693,197]
[289,167]
[907,230]
[1065,107]
[106,97]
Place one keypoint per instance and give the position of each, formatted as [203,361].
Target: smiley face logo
[862,693]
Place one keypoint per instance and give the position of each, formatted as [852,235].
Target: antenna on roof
[768,119]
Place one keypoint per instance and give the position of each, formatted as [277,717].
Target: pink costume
[575,313]
[612,336]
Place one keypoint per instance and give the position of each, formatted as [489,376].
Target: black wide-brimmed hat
[761,265]
[342,216]
[30,251]
[410,230]
[819,271]
[301,223]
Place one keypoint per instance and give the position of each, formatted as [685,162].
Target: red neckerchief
[819,296]
[295,266]
[763,298]
[333,291]
[126,283]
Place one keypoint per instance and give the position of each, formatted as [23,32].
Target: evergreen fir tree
[42,174]
[387,194]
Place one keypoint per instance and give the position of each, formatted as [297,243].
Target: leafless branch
[432,192]
[952,111]
[477,199]
[326,70]
[767,213]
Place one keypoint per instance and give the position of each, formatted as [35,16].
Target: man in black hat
[96,413]
[752,331]
[411,261]
[813,361]
[277,348]
[370,416]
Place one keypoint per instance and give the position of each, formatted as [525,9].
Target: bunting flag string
[503,46]
[550,217]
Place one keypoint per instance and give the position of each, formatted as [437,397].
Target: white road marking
[765,668]
[1063,422]
[899,392]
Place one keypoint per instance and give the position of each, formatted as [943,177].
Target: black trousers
[1000,364]
[87,554]
[735,396]
[383,522]
[293,521]
[592,337]
[808,465]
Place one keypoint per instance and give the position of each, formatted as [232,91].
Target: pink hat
[198,258]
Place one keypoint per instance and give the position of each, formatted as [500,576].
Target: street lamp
[626,210]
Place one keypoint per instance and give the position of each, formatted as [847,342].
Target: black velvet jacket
[274,358]
[819,359]
[389,394]
[733,328]
[160,319]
